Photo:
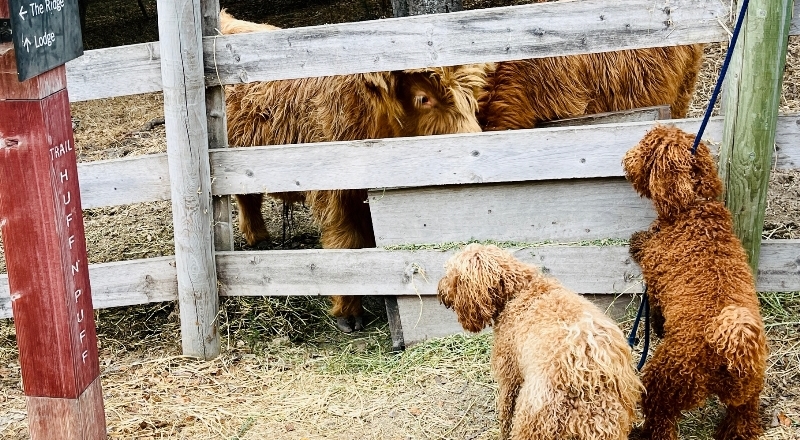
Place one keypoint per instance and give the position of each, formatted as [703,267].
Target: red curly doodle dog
[700,288]
[563,367]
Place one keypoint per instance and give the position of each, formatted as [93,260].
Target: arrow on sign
[22,12]
[27,44]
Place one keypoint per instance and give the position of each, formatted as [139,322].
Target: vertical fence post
[752,95]
[179,32]
[404,8]
[45,248]
[217,134]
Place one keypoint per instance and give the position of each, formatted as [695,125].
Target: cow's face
[439,101]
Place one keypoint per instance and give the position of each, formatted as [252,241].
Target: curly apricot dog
[700,288]
[563,367]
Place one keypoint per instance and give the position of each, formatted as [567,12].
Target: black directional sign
[46,34]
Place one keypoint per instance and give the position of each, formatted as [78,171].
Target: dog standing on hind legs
[563,367]
[701,292]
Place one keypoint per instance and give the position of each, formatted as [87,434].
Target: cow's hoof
[358,323]
[343,324]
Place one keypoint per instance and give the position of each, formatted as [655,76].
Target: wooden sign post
[43,235]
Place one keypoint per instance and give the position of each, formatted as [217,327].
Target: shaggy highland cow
[524,93]
[342,108]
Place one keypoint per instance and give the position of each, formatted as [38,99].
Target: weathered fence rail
[538,154]
[587,269]
[497,34]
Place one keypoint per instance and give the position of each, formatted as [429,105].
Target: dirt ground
[285,372]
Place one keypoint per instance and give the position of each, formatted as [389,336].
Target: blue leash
[722,73]
[632,338]
[643,306]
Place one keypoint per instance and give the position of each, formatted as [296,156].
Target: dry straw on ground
[285,372]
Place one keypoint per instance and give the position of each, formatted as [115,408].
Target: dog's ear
[663,168]
[707,182]
[473,287]
[636,163]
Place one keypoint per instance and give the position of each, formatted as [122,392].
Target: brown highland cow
[524,93]
[343,108]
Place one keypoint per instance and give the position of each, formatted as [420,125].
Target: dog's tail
[737,334]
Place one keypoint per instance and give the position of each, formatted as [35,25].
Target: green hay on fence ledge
[451,245]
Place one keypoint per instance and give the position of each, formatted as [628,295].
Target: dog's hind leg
[509,382]
[741,422]
[539,411]
[669,390]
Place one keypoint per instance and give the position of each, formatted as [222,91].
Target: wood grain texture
[179,24]
[146,178]
[217,134]
[115,71]
[411,42]
[122,283]
[37,87]
[587,269]
[635,115]
[753,92]
[496,34]
[509,156]
[379,272]
[425,318]
[84,416]
[45,249]
[557,210]
[123,181]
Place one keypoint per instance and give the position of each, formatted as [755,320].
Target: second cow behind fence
[524,93]
[342,108]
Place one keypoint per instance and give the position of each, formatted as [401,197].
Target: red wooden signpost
[43,235]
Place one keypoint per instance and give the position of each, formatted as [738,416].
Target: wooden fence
[562,184]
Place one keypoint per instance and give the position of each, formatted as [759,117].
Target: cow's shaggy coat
[342,108]
[524,93]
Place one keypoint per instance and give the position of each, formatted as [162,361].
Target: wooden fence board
[586,269]
[381,162]
[507,156]
[643,114]
[146,178]
[557,210]
[115,71]
[179,30]
[495,34]
[787,141]
[488,35]
[123,181]
[122,283]
[423,317]
[378,272]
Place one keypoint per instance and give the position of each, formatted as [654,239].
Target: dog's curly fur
[701,291]
[562,366]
